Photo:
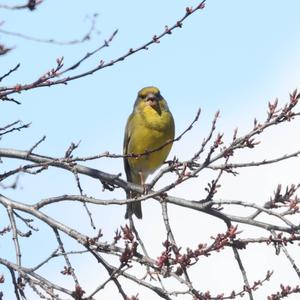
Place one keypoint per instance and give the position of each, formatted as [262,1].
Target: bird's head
[150,97]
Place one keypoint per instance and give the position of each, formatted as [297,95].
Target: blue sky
[234,56]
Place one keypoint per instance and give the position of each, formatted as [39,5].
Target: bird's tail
[133,208]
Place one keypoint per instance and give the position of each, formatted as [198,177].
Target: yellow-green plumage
[149,126]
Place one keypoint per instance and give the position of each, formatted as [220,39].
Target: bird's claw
[146,188]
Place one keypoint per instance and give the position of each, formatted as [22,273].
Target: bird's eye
[143,96]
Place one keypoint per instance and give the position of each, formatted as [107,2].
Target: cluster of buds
[285,199]
[282,240]
[286,113]
[78,293]
[218,141]
[211,189]
[53,72]
[190,10]
[164,260]
[273,110]
[234,294]
[173,256]
[117,237]
[67,270]
[94,240]
[285,291]
[130,246]
[224,239]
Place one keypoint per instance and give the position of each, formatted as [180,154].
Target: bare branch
[10,127]
[10,71]
[31,5]
[86,36]
[47,81]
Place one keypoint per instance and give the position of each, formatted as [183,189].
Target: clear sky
[233,56]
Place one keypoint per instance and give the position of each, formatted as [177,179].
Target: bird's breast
[151,131]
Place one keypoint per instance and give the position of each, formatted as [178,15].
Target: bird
[150,126]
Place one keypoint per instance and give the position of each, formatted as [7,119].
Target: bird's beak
[152,100]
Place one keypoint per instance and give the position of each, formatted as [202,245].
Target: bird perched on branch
[149,127]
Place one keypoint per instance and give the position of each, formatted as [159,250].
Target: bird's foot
[146,188]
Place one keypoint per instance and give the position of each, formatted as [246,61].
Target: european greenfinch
[150,126]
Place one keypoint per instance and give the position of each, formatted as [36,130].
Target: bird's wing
[125,148]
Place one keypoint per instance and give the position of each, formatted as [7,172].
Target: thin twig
[244,274]
[10,71]
[86,36]
[31,5]
[62,249]
[4,92]
[15,234]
